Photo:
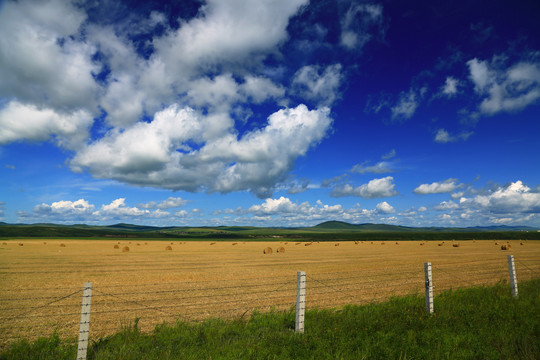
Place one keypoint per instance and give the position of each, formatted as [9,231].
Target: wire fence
[40,311]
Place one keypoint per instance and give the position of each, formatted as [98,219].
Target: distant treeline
[37,231]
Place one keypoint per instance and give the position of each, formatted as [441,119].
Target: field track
[41,281]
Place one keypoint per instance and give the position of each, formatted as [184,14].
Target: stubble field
[41,281]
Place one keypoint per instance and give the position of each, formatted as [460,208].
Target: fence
[32,312]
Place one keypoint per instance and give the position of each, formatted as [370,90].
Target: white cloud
[379,168]
[447,205]
[376,188]
[385,208]
[390,155]
[20,122]
[65,209]
[406,106]
[169,203]
[505,90]
[323,88]
[445,186]
[513,198]
[450,87]
[158,153]
[442,136]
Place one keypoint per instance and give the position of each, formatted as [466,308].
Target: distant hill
[341,225]
[326,231]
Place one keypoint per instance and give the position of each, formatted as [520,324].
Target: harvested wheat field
[42,285]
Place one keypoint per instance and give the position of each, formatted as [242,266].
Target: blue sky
[270,113]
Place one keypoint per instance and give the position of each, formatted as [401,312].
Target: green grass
[474,323]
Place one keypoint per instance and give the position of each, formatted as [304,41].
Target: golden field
[41,281]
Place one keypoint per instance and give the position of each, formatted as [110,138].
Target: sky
[270,113]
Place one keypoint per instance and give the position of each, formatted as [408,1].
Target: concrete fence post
[84,329]
[300,301]
[513,278]
[429,287]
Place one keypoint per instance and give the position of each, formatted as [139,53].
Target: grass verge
[471,323]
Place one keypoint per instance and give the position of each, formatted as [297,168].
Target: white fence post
[300,301]
[84,328]
[429,287]
[513,278]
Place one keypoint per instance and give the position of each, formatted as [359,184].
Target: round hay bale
[125,249]
[397,243]
[421,244]
[62,245]
[138,244]
[440,244]
[268,250]
[383,243]
[496,243]
[116,246]
[307,244]
[44,243]
[285,243]
[506,247]
[297,243]
[145,243]
[212,243]
[235,243]
[356,243]
[118,243]
[4,244]
[372,242]
[521,243]
[169,247]
[456,245]
[21,244]
[336,244]
[281,249]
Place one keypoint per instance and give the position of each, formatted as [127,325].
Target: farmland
[41,280]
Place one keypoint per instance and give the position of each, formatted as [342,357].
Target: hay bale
[212,243]
[297,243]
[21,244]
[285,243]
[145,243]
[496,243]
[456,245]
[116,246]
[440,244]
[268,250]
[235,243]
[44,243]
[138,244]
[169,247]
[372,242]
[4,244]
[397,243]
[506,247]
[281,249]
[383,243]
[521,243]
[421,244]
[62,245]
[125,249]
[356,243]
[336,244]
[307,244]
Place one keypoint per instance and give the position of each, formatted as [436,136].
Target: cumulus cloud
[441,187]
[158,153]
[65,209]
[447,205]
[376,188]
[442,136]
[505,89]
[385,208]
[516,197]
[19,122]
[322,87]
